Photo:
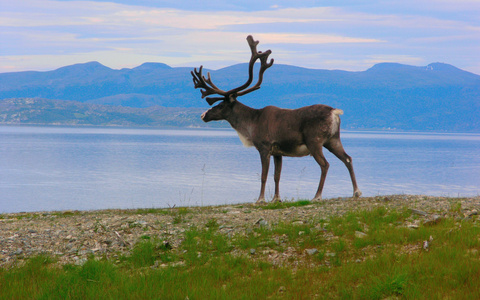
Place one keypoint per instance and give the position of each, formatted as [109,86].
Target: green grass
[285,204]
[389,261]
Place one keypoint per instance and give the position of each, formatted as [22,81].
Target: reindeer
[275,131]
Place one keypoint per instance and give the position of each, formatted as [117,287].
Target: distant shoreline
[225,127]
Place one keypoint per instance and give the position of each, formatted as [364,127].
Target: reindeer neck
[242,118]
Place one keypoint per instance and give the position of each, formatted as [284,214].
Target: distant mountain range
[437,97]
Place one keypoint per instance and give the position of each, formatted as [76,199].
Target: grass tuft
[286,204]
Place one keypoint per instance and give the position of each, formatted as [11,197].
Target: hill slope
[436,97]
[36,111]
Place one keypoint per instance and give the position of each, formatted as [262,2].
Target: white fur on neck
[245,140]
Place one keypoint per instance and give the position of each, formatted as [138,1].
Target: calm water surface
[57,168]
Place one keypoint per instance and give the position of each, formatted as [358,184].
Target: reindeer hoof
[261,201]
[276,200]
[357,194]
[317,199]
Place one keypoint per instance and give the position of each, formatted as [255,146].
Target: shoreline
[74,236]
[252,203]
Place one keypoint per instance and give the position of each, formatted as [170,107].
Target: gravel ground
[72,236]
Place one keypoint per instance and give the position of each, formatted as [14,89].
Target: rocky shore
[72,236]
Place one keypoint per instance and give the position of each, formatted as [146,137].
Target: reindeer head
[220,111]
[228,98]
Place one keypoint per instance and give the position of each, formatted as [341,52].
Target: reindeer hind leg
[335,146]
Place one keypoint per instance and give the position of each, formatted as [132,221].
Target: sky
[346,35]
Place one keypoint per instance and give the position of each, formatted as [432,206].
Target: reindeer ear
[232,98]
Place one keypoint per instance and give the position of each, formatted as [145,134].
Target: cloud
[292,38]
[180,34]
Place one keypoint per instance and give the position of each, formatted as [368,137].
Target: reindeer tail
[337,112]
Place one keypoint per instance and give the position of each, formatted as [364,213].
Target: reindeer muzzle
[204,114]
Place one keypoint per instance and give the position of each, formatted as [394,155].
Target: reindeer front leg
[265,159]
[278,170]
[317,153]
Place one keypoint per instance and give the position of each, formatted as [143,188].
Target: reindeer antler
[209,88]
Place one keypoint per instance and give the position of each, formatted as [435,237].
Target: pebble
[311,251]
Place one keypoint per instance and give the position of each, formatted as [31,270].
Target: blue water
[69,168]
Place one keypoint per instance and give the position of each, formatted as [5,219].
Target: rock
[281,289]
[167,245]
[261,222]
[108,242]
[297,223]
[85,252]
[433,221]
[253,251]
[473,252]
[80,261]
[311,251]
[426,244]
[471,213]
[360,235]
[178,264]
[141,223]
[419,212]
